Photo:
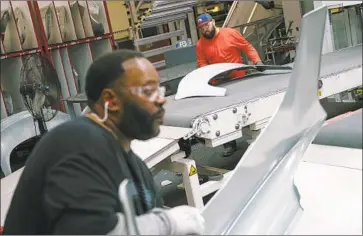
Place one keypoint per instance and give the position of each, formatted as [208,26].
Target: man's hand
[181,220]
[260,64]
[185,220]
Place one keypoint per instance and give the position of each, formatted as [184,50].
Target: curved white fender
[18,128]
[196,82]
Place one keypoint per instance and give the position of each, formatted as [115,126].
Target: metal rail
[159,37]
[168,13]
[151,23]
[172,6]
[158,51]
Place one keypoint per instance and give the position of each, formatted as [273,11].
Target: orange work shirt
[225,47]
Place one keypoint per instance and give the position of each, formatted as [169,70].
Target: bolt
[234,110]
[215,116]
[218,133]
[244,118]
[237,126]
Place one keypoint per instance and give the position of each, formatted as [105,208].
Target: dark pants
[232,144]
[229,148]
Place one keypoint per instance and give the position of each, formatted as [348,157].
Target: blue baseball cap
[203,19]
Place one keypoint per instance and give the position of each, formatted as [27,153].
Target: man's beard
[137,123]
[211,34]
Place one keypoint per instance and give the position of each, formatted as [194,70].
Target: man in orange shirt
[223,45]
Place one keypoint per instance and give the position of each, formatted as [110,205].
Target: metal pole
[193,30]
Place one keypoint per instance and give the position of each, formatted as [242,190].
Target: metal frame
[159,64]
[172,5]
[163,20]
[168,13]
[192,27]
[158,51]
[328,45]
[112,38]
[159,37]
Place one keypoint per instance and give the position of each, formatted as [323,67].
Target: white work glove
[185,220]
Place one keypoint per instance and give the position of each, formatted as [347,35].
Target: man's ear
[114,103]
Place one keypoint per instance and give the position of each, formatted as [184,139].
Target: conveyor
[252,100]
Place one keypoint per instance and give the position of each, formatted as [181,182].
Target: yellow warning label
[192,171]
[319,93]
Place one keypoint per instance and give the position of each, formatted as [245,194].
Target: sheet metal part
[182,112]
[18,128]
[260,196]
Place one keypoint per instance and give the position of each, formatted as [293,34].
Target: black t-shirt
[70,183]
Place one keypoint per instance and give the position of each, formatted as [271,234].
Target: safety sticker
[192,170]
[319,93]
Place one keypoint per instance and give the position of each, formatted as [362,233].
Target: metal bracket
[199,126]
[243,118]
